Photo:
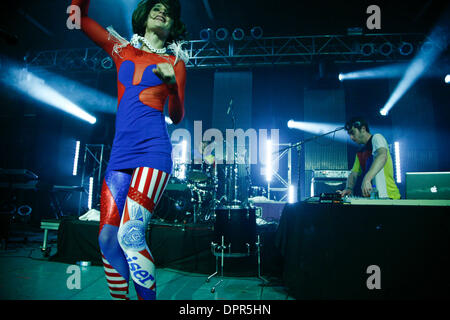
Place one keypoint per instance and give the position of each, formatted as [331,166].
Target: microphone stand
[298,146]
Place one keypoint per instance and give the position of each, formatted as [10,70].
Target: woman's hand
[165,72]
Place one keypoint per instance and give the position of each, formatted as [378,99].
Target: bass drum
[175,204]
[237,226]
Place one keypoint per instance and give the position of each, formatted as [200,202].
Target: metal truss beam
[254,52]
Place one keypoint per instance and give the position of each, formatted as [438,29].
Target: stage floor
[26,275]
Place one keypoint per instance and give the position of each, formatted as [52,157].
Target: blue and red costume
[141,159]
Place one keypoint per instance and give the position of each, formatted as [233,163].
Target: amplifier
[328,181]
[331,174]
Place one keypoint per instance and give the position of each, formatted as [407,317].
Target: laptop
[428,185]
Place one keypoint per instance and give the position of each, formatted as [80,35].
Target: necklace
[136,39]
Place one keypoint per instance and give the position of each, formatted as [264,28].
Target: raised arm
[176,95]
[92,29]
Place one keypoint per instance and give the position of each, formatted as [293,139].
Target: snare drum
[238,227]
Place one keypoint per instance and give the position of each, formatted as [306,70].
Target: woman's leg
[114,193]
[146,189]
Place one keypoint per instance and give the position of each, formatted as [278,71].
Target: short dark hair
[358,123]
[140,17]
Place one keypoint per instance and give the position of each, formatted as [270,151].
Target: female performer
[141,162]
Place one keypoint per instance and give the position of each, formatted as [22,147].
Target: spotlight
[181,174]
[168,120]
[35,87]
[406,48]
[386,49]
[428,54]
[319,128]
[257,32]
[367,49]
[384,112]
[206,34]
[291,198]
[107,63]
[398,172]
[91,190]
[221,34]
[447,78]
[238,34]
[341,77]
[427,47]
[269,168]
[75,159]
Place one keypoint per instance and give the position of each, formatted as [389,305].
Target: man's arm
[351,179]
[377,165]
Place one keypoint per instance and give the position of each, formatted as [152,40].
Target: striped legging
[127,201]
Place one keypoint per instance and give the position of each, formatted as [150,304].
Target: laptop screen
[428,185]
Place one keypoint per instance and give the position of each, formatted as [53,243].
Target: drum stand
[215,248]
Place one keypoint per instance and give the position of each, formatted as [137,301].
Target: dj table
[327,250]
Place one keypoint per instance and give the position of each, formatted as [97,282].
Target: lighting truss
[94,166]
[286,181]
[250,52]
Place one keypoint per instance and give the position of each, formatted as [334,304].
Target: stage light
[269,167]
[75,158]
[406,48]
[447,78]
[181,173]
[386,49]
[367,49]
[427,47]
[24,210]
[221,34]
[206,34]
[318,128]
[383,72]
[291,194]
[341,77]
[398,173]
[183,151]
[256,32]
[91,190]
[107,63]
[238,34]
[30,85]
[423,60]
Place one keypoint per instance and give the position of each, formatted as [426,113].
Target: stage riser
[328,248]
[185,248]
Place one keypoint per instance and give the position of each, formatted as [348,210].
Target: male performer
[373,161]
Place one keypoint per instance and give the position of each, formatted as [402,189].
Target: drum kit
[196,191]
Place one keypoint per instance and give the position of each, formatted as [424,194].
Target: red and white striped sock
[118,286]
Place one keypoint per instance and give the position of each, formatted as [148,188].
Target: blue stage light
[35,87]
[428,54]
